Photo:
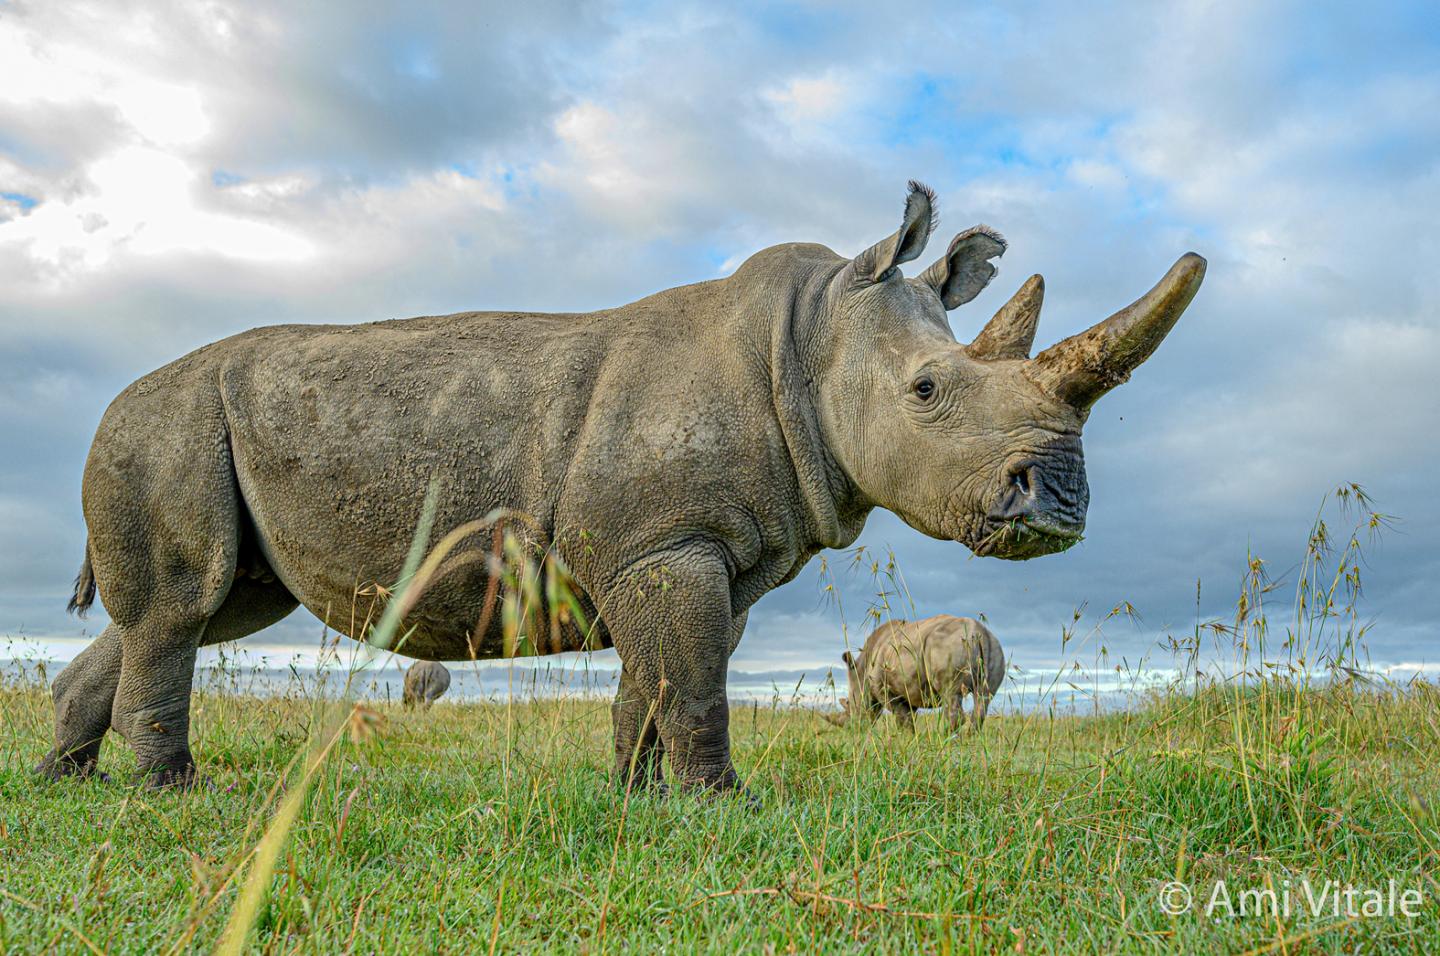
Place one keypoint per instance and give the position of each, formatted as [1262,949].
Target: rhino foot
[647,788]
[747,797]
[179,776]
[736,792]
[56,766]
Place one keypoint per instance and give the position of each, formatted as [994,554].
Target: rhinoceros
[934,662]
[683,455]
[425,683]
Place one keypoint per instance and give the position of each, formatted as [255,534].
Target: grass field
[479,827]
[1269,788]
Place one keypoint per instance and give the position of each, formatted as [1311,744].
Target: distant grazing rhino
[683,454]
[935,662]
[425,683]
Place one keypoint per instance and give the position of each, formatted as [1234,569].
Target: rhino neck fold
[835,508]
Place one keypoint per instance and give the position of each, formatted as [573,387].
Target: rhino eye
[924,388]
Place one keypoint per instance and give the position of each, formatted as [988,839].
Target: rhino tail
[84,595]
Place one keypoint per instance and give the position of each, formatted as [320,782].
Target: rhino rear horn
[878,263]
[1010,333]
[1085,366]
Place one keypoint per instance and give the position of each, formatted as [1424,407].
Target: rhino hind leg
[155,714]
[981,707]
[152,700]
[955,710]
[163,510]
[83,693]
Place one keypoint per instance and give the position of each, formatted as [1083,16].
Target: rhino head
[977,443]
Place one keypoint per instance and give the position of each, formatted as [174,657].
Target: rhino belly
[449,622]
[343,572]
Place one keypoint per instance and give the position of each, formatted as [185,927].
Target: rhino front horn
[1083,367]
[1009,334]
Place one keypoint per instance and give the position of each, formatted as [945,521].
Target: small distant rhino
[425,683]
[935,662]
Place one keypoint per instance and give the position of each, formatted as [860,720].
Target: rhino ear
[847,658]
[879,261]
[965,269]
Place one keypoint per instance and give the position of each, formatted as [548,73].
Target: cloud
[172,174]
[143,201]
[805,100]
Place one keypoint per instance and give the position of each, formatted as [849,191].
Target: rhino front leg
[83,695]
[637,738]
[670,619]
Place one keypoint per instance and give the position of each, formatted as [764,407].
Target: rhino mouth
[1019,539]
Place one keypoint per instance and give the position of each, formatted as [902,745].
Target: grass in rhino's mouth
[1022,536]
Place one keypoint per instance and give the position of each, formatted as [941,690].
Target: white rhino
[935,662]
[683,454]
[425,683]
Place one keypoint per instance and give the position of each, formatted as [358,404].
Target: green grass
[477,827]
[474,826]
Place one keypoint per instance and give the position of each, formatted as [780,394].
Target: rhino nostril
[1020,478]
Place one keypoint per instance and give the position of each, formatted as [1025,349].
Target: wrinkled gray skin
[425,683]
[684,454]
[906,666]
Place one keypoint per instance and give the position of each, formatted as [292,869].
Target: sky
[171,173]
